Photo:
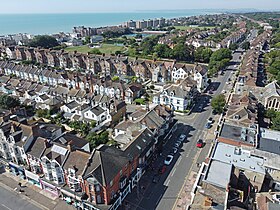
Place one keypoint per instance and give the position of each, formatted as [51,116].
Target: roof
[238,134]
[269,141]
[72,105]
[75,140]
[77,160]
[219,173]
[97,110]
[238,157]
[104,166]
[37,147]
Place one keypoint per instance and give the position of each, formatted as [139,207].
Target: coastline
[64,22]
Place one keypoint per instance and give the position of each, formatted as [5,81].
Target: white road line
[167,183]
[173,172]
[170,137]
[6,206]
[179,160]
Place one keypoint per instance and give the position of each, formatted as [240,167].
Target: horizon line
[133,11]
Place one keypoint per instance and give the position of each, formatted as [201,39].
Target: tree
[276,122]
[245,45]
[43,41]
[87,39]
[43,113]
[233,46]
[162,50]
[219,60]
[115,78]
[8,102]
[97,139]
[95,51]
[202,54]
[218,103]
[182,52]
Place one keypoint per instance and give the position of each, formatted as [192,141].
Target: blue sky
[69,6]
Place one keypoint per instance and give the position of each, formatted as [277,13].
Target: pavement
[31,198]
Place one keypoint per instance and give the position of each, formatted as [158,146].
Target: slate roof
[104,166]
[77,160]
[37,148]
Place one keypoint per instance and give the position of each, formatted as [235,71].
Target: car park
[168,159]
[199,143]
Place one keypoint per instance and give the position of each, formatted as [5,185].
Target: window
[178,101]
[111,183]
[123,183]
[120,172]
[97,188]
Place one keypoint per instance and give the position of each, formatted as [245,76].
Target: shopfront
[33,178]
[73,198]
[49,187]
[17,170]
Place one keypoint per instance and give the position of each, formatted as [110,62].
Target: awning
[32,176]
[68,200]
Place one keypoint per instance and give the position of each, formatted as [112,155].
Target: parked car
[168,159]
[199,143]
[162,169]
[156,178]
[177,144]
[208,125]
[174,150]
[210,120]
[182,137]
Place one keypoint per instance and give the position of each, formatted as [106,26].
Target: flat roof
[219,173]
[239,134]
[239,157]
[269,141]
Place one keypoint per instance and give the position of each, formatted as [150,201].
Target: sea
[54,23]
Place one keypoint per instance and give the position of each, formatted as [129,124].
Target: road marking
[179,160]
[173,172]
[167,183]
[170,137]
[6,206]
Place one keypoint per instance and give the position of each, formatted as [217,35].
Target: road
[163,194]
[12,201]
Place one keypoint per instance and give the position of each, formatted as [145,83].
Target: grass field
[183,28]
[105,48]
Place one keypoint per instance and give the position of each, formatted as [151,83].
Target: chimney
[46,142]
[70,146]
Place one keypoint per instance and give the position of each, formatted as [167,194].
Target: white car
[174,150]
[168,159]
[182,137]
[177,144]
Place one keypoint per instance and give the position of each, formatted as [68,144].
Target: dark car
[199,143]
[208,125]
[162,169]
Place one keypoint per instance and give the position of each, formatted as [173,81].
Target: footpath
[33,194]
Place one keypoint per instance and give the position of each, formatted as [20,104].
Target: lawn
[105,48]
[183,28]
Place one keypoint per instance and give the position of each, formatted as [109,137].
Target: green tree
[87,39]
[202,54]
[8,102]
[115,78]
[97,139]
[162,50]
[276,122]
[43,113]
[43,41]
[182,52]
[245,45]
[219,60]
[218,103]
[95,51]
[233,46]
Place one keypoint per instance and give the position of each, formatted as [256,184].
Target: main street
[163,194]
[12,201]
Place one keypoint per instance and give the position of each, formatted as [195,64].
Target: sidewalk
[33,194]
[185,196]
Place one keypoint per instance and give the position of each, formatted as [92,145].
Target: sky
[81,6]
